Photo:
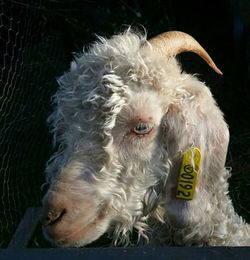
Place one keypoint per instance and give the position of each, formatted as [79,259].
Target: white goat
[127,122]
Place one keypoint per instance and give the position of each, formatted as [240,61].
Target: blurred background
[37,42]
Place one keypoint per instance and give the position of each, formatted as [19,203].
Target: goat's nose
[54,208]
[52,217]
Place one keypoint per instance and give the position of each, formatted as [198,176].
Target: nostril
[52,217]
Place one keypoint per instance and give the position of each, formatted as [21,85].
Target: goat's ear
[199,123]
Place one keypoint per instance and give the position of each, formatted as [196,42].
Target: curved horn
[175,42]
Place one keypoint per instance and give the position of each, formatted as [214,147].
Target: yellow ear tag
[190,167]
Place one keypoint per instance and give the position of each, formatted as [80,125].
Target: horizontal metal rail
[17,248]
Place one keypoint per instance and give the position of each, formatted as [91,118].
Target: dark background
[37,39]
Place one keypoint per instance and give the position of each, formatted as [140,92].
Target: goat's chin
[76,234]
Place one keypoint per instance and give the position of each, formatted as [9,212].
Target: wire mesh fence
[30,59]
[37,39]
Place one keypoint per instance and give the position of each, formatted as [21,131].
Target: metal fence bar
[25,229]
[17,248]
[145,253]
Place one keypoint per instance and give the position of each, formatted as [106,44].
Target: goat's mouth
[67,232]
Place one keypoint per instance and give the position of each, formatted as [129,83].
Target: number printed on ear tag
[190,167]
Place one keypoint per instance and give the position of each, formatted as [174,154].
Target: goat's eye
[142,128]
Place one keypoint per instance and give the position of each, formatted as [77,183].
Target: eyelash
[142,128]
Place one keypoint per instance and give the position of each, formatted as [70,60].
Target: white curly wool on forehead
[99,78]
[126,44]
[108,54]
[121,55]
